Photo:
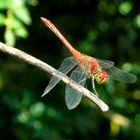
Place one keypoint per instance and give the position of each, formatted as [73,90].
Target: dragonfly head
[101,77]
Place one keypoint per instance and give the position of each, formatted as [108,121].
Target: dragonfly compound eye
[101,77]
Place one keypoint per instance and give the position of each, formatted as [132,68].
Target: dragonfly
[83,67]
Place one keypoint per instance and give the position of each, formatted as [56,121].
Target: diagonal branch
[47,68]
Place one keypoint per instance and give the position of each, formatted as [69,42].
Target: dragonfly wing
[73,97]
[105,64]
[67,65]
[121,75]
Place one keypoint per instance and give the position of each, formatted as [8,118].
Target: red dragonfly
[84,66]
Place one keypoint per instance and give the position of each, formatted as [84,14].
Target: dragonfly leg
[93,85]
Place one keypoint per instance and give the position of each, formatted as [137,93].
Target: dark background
[104,29]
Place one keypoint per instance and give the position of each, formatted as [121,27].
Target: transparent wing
[67,65]
[105,64]
[73,97]
[121,75]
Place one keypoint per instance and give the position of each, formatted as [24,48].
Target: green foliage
[14,15]
[125,8]
[103,29]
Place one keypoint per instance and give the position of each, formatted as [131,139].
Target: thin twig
[47,68]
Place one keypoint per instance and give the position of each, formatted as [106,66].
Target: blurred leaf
[21,32]
[9,37]
[103,26]
[19,28]
[137,20]
[92,35]
[22,13]
[8,4]
[137,119]
[115,128]
[2,19]
[37,109]
[125,8]
[23,117]
[127,67]
[3,4]
[33,2]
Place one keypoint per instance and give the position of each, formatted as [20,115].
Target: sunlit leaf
[22,32]
[9,37]
[125,8]
[19,28]
[23,14]
[14,4]
[3,4]
[7,4]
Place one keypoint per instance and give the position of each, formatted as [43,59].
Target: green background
[100,28]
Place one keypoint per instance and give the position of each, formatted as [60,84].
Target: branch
[47,68]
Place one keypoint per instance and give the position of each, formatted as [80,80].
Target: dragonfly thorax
[101,77]
[88,63]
